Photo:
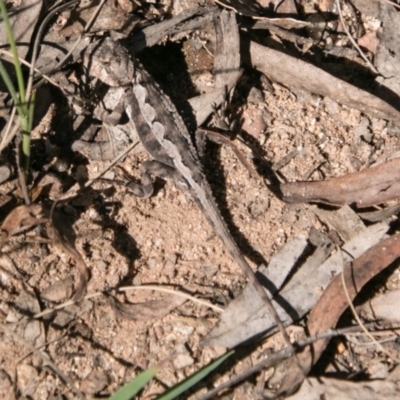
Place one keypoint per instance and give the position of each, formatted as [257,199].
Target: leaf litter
[335,126]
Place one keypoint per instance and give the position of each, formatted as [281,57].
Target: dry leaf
[154,309]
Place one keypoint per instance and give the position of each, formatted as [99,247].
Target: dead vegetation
[302,98]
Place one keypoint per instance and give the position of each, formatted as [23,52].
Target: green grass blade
[10,86]
[26,136]
[31,109]
[130,389]
[13,47]
[181,387]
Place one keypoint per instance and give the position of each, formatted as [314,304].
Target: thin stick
[357,318]
[158,288]
[8,55]
[357,47]
[174,292]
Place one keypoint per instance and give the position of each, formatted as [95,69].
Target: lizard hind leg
[145,189]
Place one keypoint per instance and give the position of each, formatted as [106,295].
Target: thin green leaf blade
[135,385]
[14,50]
[26,135]
[7,80]
[181,387]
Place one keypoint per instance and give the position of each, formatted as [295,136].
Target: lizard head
[110,62]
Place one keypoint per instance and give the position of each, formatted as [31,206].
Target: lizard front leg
[145,189]
[120,131]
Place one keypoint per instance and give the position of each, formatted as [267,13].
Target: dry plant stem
[369,344]
[174,292]
[225,6]
[9,56]
[388,331]
[125,289]
[66,304]
[354,312]
[207,50]
[354,43]
[22,178]
[46,360]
